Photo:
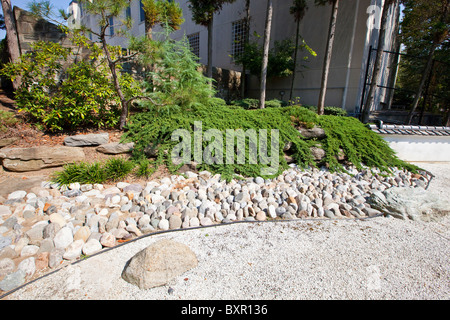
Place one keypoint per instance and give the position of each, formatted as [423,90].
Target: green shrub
[60,94]
[118,168]
[145,129]
[330,111]
[174,82]
[98,172]
[7,119]
[144,168]
[360,145]
[249,103]
[82,172]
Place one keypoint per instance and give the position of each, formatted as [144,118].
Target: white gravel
[381,258]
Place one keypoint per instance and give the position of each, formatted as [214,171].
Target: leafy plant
[144,168]
[82,172]
[175,82]
[117,168]
[330,111]
[360,145]
[60,92]
[113,169]
[7,119]
[249,103]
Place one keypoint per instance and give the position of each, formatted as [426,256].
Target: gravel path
[380,258]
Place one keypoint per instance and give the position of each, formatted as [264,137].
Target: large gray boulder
[410,203]
[37,158]
[158,264]
[87,140]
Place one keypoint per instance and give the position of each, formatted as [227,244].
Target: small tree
[161,12]
[265,60]
[426,24]
[328,52]
[106,11]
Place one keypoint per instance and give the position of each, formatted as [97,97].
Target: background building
[356,32]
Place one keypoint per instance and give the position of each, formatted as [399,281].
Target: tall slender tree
[246,40]
[298,10]
[368,106]
[203,14]
[11,36]
[265,60]
[328,52]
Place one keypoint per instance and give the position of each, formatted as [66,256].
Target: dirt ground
[28,136]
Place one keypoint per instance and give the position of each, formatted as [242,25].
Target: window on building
[142,11]
[81,9]
[128,12]
[238,35]
[111,26]
[194,43]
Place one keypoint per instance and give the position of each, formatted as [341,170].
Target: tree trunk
[265,61]
[368,106]
[148,30]
[247,34]
[422,83]
[327,59]
[12,39]
[112,67]
[295,60]
[209,70]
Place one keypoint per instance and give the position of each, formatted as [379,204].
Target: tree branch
[126,57]
[143,98]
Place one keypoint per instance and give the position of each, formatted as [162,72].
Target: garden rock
[91,247]
[314,133]
[7,141]
[318,153]
[116,148]
[158,264]
[88,140]
[63,238]
[7,266]
[410,203]
[13,280]
[37,158]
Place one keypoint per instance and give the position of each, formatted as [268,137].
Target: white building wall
[353,38]
[74,15]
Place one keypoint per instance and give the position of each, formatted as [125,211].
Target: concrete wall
[420,148]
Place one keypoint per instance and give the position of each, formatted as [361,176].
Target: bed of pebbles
[52,225]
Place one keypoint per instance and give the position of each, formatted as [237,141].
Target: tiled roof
[410,130]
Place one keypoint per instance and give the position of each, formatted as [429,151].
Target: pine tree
[165,13]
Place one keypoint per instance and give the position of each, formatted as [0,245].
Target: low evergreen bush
[249,103]
[360,145]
